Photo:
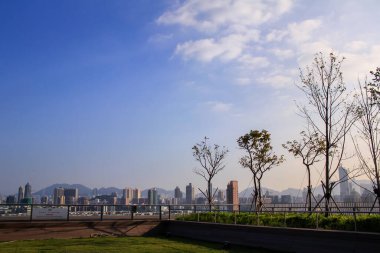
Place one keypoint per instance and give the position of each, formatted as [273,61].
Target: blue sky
[115,93]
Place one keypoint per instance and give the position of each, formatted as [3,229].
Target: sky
[115,93]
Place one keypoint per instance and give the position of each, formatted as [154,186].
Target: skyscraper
[28,190]
[344,186]
[136,193]
[190,194]
[71,196]
[59,196]
[20,194]
[233,195]
[177,193]
[152,196]
[221,196]
[127,196]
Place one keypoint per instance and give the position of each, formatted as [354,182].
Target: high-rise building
[136,193]
[71,196]
[83,200]
[127,196]
[44,200]
[11,199]
[59,196]
[94,192]
[28,191]
[20,194]
[344,186]
[233,195]
[221,196]
[190,196]
[152,196]
[177,193]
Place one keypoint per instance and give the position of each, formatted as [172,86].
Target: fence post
[31,212]
[169,211]
[160,212]
[195,208]
[285,218]
[101,212]
[235,217]
[68,213]
[354,212]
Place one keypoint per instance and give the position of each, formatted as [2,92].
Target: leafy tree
[211,160]
[369,125]
[309,149]
[330,112]
[259,159]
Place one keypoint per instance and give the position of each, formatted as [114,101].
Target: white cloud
[210,16]
[283,53]
[226,48]
[276,35]
[302,31]
[217,106]
[252,62]
[356,46]
[277,80]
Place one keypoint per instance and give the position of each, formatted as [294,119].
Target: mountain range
[86,191]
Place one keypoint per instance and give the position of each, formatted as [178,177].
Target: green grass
[364,222]
[121,244]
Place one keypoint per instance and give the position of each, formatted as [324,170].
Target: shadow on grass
[122,244]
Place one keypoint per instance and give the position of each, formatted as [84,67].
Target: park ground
[119,244]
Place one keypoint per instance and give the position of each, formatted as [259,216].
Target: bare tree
[309,149]
[211,160]
[259,159]
[330,113]
[369,125]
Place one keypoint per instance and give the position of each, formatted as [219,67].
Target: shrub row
[362,222]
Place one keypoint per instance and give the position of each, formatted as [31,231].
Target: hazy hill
[48,191]
[86,191]
[164,193]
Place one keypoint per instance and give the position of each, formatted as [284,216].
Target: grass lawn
[121,244]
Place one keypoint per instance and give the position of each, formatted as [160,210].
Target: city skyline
[117,93]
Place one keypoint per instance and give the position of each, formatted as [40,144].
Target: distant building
[28,191]
[94,192]
[190,196]
[59,196]
[344,186]
[11,199]
[44,200]
[152,196]
[286,199]
[127,196]
[233,195]
[177,193]
[105,199]
[71,196]
[221,196]
[83,201]
[20,194]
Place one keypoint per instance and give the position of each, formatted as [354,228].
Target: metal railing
[35,212]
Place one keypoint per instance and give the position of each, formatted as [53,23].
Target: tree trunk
[309,190]
[260,204]
[209,194]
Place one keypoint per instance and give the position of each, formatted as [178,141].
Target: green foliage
[124,244]
[364,222]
